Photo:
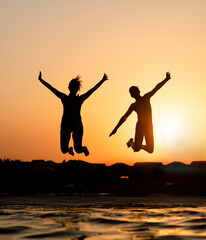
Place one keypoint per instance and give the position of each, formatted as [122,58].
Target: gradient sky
[135,42]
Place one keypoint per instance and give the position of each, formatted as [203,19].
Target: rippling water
[102,217]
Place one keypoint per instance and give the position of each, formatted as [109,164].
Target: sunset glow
[169,128]
[134,43]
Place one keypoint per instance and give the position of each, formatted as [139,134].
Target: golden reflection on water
[109,222]
[133,223]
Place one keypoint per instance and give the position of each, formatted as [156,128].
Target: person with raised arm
[144,126]
[71,120]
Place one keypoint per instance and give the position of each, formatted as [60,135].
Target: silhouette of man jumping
[144,126]
[71,120]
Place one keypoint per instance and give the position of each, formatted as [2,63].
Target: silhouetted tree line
[80,177]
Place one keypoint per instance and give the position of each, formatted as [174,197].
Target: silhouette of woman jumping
[71,119]
[144,126]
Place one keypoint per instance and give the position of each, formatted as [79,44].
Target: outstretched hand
[40,76]
[105,77]
[168,76]
[113,132]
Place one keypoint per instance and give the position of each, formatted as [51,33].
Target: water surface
[102,217]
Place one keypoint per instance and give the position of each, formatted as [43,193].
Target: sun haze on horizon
[134,43]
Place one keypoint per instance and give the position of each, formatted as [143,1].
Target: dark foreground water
[102,217]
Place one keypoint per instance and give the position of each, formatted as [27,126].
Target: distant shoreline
[80,177]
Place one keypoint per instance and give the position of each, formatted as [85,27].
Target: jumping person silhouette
[71,120]
[144,126]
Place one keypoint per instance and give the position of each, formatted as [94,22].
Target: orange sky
[135,42]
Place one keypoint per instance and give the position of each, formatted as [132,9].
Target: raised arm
[158,86]
[122,119]
[88,93]
[54,90]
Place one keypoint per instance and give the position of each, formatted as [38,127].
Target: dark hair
[75,84]
[134,88]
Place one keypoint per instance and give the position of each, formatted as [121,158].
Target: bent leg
[137,144]
[149,139]
[77,138]
[64,140]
